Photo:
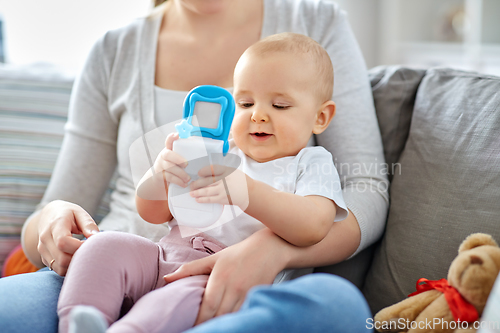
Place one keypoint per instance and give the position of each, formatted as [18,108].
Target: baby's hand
[171,164]
[221,184]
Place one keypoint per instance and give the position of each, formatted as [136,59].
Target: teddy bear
[447,305]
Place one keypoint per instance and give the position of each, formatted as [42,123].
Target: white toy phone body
[203,134]
[185,209]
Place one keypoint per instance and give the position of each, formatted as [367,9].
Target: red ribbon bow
[460,308]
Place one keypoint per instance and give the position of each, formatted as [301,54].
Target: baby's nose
[259,117]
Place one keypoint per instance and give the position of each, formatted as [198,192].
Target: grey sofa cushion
[394,89]
[448,185]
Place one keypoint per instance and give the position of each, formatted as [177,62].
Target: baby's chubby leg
[172,308]
[107,268]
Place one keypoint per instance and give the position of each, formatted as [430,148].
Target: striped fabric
[33,110]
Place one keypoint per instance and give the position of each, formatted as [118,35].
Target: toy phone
[203,140]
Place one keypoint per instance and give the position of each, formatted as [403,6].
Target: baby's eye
[245,104]
[281,106]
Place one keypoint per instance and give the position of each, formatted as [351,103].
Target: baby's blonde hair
[300,44]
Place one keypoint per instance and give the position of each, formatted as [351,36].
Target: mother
[129,73]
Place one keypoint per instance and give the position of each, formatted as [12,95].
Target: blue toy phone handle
[209,94]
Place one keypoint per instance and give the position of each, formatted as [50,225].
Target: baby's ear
[324,116]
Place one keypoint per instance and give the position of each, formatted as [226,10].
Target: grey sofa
[441,133]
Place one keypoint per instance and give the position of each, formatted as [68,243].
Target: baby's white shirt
[310,172]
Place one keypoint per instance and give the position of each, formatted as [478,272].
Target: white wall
[411,32]
[61,31]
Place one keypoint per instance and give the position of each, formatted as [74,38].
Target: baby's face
[276,106]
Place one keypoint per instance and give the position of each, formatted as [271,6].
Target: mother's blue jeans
[313,303]
[28,302]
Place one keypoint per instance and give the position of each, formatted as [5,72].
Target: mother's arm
[258,259]
[353,136]
[82,172]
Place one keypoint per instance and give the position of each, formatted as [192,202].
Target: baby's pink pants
[115,270]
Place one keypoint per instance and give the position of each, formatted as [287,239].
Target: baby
[282,88]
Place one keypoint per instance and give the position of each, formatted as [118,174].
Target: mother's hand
[234,270]
[57,222]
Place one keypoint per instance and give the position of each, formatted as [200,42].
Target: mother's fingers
[68,244]
[84,223]
[49,251]
[44,253]
[212,299]
[56,244]
[60,259]
[63,239]
[201,266]
[238,304]
[228,303]
[60,264]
